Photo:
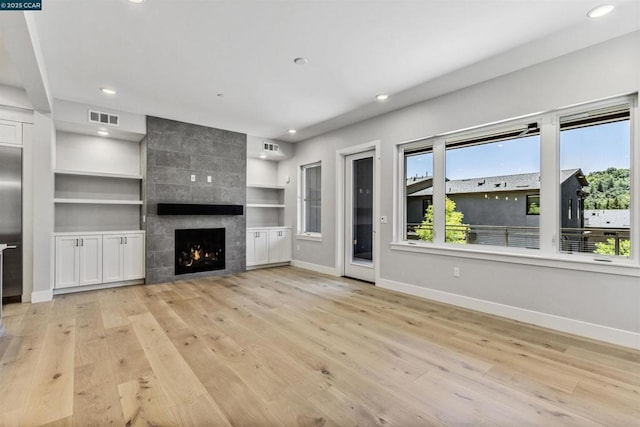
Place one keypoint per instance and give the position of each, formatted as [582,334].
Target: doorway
[359,236]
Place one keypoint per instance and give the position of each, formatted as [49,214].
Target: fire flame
[196,254]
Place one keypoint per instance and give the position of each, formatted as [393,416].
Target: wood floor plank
[179,383]
[51,392]
[95,397]
[127,357]
[290,347]
[143,403]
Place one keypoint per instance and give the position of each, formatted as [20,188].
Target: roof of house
[491,184]
[607,218]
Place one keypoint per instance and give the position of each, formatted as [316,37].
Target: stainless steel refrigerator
[11,222]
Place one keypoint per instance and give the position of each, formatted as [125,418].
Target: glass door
[359,224]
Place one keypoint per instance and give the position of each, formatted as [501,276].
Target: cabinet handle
[121,240]
[81,242]
[125,240]
[77,242]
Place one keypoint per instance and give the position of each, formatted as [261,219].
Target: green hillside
[608,189]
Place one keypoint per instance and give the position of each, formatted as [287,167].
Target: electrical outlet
[456,271]
[209,179]
[193,178]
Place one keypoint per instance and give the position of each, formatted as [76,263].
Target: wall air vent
[104,118]
[270,146]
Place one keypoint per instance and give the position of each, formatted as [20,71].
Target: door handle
[11,247]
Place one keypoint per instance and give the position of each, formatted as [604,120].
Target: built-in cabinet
[93,259]
[268,240]
[269,245]
[98,211]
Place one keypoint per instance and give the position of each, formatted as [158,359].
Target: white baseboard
[98,287]
[563,324]
[331,271]
[41,296]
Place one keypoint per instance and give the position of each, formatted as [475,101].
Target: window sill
[528,257]
[314,237]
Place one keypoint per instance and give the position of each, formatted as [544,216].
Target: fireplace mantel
[199,209]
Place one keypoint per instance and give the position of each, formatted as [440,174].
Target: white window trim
[549,254]
[301,234]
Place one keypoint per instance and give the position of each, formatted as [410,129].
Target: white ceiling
[172,58]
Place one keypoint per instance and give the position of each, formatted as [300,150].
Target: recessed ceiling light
[107,91]
[263,155]
[382,97]
[292,131]
[300,61]
[136,1]
[600,11]
[103,133]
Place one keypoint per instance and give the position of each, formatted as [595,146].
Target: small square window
[533,204]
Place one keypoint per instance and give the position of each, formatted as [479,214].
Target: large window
[311,198]
[487,181]
[595,163]
[492,187]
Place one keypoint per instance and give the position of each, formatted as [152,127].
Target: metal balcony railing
[584,240]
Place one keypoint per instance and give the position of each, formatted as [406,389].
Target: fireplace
[200,249]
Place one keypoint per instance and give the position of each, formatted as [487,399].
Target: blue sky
[591,148]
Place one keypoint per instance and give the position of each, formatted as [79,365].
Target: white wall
[96,154]
[262,172]
[605,306]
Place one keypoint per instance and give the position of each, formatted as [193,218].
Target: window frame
[549,253]
[302,193]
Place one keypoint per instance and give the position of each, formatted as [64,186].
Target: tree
[455,232]
[609,248]
[608,189]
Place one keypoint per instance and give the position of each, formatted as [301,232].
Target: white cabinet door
[10,132]
[90,260]
[133,256]
[67,261]
[112,258]
[279,246]
[78,260]
[257,247]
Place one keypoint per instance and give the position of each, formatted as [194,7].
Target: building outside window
[311,198]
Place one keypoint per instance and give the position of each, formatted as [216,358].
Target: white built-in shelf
[272,187]
[98,201]
[264,205]
[98,174]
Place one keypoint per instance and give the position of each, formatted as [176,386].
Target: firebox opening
[199,250]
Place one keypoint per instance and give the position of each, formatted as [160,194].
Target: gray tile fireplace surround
[174,152]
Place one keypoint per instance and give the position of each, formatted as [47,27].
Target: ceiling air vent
[270,146]
[104,118]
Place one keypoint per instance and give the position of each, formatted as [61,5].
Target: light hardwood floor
[288,347]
